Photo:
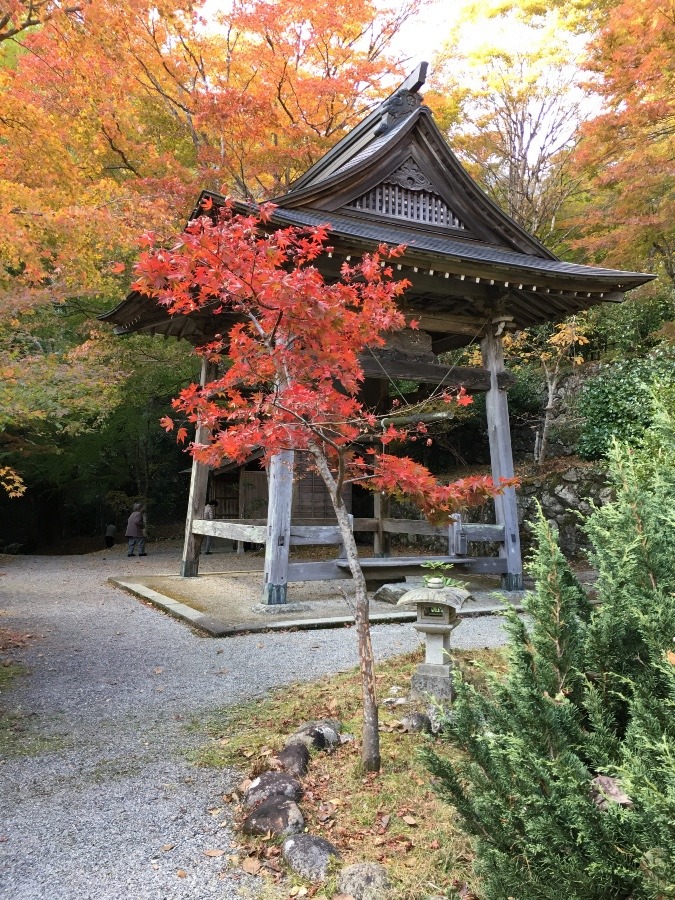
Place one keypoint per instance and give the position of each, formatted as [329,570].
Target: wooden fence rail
[324,532]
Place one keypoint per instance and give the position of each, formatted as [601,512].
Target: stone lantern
[437,617]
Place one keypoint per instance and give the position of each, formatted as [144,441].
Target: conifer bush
[567,783]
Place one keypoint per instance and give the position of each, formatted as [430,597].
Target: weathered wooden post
[382,510]
[501,458]
[241,510]
[199,482]
[278,528]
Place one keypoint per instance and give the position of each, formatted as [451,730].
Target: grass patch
[8,672]
[18,739]
[393,817]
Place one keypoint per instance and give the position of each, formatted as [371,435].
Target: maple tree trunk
[370,739]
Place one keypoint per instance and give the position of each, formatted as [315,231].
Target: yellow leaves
[11,482]
[567,334]
[474,357]
[551,352]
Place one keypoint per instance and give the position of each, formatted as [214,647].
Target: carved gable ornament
[409,195]
[410,176]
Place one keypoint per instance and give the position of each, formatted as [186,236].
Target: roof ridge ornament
[400,104]
[404,100]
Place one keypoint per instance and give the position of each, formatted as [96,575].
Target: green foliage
[616,404]
[526,397]
[568,783]
[94,471]
[443,571]
[629,328]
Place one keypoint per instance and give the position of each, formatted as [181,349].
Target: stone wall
[566,495]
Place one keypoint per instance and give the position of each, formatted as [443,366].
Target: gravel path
[112,686]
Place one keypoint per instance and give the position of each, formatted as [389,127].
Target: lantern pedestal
[437,609]
[434,675]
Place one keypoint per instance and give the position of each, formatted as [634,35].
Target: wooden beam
[418,418]
[613,297]
[408,565]
[381,543]
[392,364]
[483,532]
[394,567]
[413,526]
[416,79]
[300,535]
[446,322]
[307,535]
[317,571]
[234,531]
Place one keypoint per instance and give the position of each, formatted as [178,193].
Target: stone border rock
[272,808]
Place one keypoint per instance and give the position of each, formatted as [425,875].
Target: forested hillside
[113,116]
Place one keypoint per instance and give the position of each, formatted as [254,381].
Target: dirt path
[99,782]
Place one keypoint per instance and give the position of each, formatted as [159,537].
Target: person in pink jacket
[135,532]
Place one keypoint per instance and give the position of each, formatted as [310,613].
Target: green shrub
[616,404]
[527,395]
[568,784]
[627,328]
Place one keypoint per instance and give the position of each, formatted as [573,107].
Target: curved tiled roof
[491,259]
[455,250]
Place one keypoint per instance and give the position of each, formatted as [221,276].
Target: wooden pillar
[278,528]
[381,510]
[240,508]
[501,459]
[199,482]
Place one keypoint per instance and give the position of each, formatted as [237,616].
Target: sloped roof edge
[348,143]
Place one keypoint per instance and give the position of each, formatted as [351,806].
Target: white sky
[421,38]
[424,37]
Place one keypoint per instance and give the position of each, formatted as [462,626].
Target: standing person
[135,532]
[209,515]
[110,532]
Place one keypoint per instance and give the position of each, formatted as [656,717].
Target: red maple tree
[293,376]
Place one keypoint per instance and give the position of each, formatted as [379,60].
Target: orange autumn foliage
[112,119]
[627,151]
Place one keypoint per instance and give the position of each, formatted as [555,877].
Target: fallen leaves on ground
[251,865]
[394,812]
[10,639]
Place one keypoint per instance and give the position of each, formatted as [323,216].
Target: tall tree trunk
[370,740]
[548,419]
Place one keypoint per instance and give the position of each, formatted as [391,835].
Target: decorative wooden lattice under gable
[408,194]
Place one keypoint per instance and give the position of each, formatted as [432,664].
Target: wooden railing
[324,532]
[308,532]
